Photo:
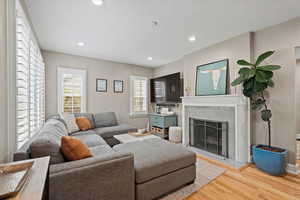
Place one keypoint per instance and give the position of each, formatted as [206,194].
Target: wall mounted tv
[166,89]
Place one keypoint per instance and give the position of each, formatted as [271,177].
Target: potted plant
[256,78]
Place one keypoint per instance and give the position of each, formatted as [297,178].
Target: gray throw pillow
[105,119]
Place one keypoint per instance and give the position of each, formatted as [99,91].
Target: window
[138,95]
[71,90]
[30,81]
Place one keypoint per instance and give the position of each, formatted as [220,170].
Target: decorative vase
[271,162]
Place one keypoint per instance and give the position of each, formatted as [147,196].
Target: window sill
[138,115]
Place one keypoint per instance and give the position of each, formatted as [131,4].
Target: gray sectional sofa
[139,170]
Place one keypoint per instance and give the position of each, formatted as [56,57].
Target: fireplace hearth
[208,135]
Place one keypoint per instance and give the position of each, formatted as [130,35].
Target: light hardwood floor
[250,183]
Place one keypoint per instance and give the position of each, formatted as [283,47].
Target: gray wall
[96,102]
[283,38]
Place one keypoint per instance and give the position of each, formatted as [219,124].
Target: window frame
[60,94]
[131,112]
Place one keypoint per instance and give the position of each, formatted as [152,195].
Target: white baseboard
[292,169]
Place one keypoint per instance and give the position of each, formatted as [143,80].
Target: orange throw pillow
[83,123]
[74,149]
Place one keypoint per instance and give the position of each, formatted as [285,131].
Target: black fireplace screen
[211,136]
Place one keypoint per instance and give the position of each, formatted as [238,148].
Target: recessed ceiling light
[150,58]
[81,44]
[192,38]
[98,2]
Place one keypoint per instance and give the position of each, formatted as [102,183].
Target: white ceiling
[122,30]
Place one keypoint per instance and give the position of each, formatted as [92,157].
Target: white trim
[65,70]
[138,114]
[292,169]
[11,78]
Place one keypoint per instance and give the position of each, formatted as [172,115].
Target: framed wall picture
[118,86]
[212,78]
[101,85]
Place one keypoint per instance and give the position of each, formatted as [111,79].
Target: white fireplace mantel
[219,100]
[241,107]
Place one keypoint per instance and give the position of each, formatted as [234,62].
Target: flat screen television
[166,89]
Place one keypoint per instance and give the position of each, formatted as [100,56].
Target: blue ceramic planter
[273,163]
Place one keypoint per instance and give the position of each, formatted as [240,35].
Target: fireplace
[208,135]
[217,125]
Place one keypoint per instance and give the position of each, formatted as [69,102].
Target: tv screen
[166,89]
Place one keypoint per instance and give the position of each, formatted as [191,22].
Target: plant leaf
[260,77]
[246,73]
[269,67]
[258,104]
[249,83]
[248,92]
[266,115]
[237,81]
[244,63]
[263,56]
[263,76]
[271,83]
[259,87]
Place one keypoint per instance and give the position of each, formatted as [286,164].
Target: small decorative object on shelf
[188,91]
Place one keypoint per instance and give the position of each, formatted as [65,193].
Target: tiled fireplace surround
[229,108]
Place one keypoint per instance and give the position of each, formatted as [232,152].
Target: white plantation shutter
[30,81]
[71,90]
[138,95]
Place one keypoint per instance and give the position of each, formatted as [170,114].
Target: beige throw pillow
[70,121]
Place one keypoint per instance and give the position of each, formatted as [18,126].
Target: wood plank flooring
[250,183]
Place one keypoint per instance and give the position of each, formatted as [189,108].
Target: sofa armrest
[106,178]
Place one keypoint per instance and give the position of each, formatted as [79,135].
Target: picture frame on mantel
[212,79]
[101,85]
[118,86]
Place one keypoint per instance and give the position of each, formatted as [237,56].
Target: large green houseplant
[255,79]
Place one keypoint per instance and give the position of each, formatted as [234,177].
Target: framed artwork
[101,85]
[212,78]
[118,86]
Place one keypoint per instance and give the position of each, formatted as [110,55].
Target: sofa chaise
[141,170]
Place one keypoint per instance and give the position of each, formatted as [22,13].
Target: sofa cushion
[83,123]
[74,149]
[156,157]
[47,145]
[57,117]
[54,127]
[89,132]
[107,132]
[105,119]
[89,116]
[90,140]
[70,121]
[47,142]
[101,150]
